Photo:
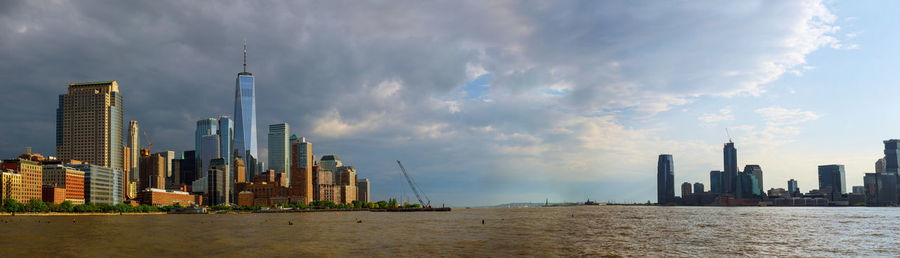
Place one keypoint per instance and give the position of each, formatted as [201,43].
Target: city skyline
[502,106]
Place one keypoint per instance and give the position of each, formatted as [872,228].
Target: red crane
[149,143]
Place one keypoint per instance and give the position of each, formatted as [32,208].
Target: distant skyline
[484,102]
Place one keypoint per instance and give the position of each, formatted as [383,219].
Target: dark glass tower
[891,156]
[730,182]
[665,180]
[245,119]
[715,181]
[832,181]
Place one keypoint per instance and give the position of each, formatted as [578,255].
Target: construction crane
[413,186]
[149,143]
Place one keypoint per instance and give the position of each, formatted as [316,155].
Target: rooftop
[330,157]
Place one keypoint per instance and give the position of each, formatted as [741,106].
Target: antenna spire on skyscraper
[245,55]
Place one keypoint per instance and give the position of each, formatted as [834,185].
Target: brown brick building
[160,197]
[52,194]
[72,180]
[32,177]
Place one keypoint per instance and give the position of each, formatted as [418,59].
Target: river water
[557,231]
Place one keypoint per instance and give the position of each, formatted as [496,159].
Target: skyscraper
[665,179]
[730,182]
[226,140]
[167,157]
[362,189]
[245,119]
[280,148]
[698,188]
[218,190]
[685,189]
[715,181]
[832,181]
[134,142]
[892,156]
[89,124]
[792,187]
[757,173]
[301,168]
[879,165]
[205,127]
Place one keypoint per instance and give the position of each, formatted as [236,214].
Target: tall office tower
[892,156]
[665,179]
[879,165]
[167,156]
[362,188]
[245,119]
[698,188]
[153,172]
[134,142]
[174,182]
[301,168]
[685,189]
[279,148]
[792,187]
[331,163]
[188,168]
[715,181]
[832,181]
[757,173]
[209,151]
[218,190]
[226,139]
[89,124]
[205,127]
[730,182]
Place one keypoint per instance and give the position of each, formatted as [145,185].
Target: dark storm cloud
[378,81]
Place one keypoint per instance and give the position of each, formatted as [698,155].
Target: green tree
[381,204]
[67,206]
[36,205]
[10,205]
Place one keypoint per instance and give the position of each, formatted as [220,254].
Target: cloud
[723,115]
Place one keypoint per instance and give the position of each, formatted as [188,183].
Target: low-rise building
[11,186]
[161,197]
[57,175]
[52,194]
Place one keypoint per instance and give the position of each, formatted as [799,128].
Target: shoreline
[79,214]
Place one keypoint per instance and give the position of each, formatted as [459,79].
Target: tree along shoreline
[11,207]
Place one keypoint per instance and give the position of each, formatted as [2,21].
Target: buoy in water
[482,222]
[290,223]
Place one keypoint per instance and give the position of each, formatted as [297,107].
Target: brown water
[560,231]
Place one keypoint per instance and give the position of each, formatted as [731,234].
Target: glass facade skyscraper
[832,181]
[730,182]
[245,119]
[280,148]
[715,181]
[665,179]
[891,156]
[792,187]
[205,127]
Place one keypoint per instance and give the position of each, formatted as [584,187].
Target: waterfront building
[210,150]
[698,188]
[858,189]
[793,190]
[167,157]
[245,135]
[89,124]
[346,176]
[239,171]
[665,179]
[832,181]
[747,186]
[301,169]
[757,173]
[52,194]
[348,193]
[892,156]
[134,146]
[101,184]
[331,163]
[685,189]
[279,148]
[11,186]
[32,177]
[880,165]
[162,197]
[208,126]
[188,168]
[715,181]
[777,192]
[730,182]
[72,180]
[153,171]
[363,185]
[218,189]
[880,189]
[262,194]
[325,189]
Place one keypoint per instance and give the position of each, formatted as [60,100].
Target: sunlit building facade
[89,124]
[245,135]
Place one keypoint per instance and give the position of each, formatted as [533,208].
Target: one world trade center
[245,120]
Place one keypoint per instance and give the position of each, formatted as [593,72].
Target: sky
[484,102]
